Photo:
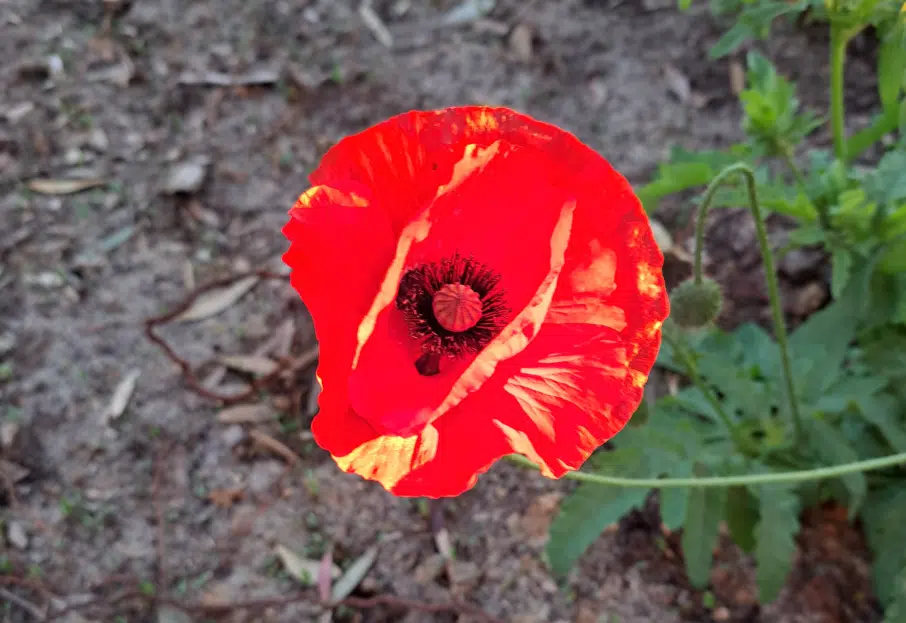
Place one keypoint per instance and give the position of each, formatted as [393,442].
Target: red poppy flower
[481,283]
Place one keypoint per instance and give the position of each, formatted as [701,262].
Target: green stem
[839,39]
[729,481]
[769,272]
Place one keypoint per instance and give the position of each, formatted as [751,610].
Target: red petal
[572,389]
[385,387]
[444,460]
[340,246]
[405,159]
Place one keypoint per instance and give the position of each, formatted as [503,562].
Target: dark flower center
[453,307]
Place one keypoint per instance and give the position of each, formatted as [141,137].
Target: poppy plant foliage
[481,283]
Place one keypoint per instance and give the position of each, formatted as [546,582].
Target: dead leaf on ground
[281,342]
[326,575]
[260,366]
[266,442]
[212,303]
[677,83]
[305,570]
[48,186]
[444,544]
[374,23]
[260,76]
[121,396]
[521,42]
[354,575]
[226,498]
[246,414]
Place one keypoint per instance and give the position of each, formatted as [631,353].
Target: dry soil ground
[197,122]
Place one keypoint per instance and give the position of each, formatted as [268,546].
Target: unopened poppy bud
[694,305]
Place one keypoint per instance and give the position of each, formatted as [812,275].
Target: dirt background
[196,176]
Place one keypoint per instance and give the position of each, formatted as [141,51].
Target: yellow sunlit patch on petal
[638,379]
[326,194]
[521,443]
[598,276]
[587,310]
[482,121]
[388,459]
[650,282]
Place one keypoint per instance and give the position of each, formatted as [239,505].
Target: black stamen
[416,294]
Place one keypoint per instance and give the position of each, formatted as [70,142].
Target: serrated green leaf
[885,531]
[775,535]
[820,344]
[704,510]
[592,507]
[675,500]
[742,515]
[829,445]
[582,518]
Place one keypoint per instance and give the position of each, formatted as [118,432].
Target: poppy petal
[572,389]
[336,281]
[405,159]
[385,386]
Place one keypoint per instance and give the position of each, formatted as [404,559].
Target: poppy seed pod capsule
[694,305]
[457,307]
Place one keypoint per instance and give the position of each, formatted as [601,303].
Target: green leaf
[808,235]
[730,41]
[675,500]
[829,445]
[673,178]
[896,611]
[887,183]
[885,531]
[582,518]
[771,110]
[775,535]
[888,415]
[820,344]
[891,66]
[753,22]
[592,507]
[759,348]
[841,271]
[705,509]
[886,356]
[742,515]
[849,391]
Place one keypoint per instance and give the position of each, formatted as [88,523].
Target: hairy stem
[839,38]
[769,271]
[729,481]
